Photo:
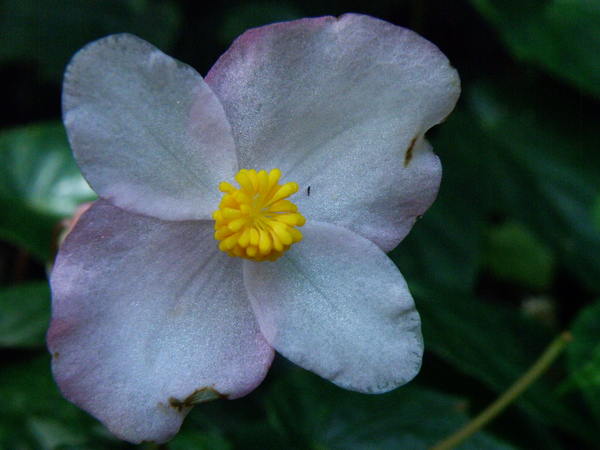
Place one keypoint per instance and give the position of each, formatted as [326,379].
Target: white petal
[146,130]
[145,314]
[341,105]
[335,304]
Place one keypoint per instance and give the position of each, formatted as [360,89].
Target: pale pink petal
[145,313]
[335,304]
[341,105]
[147,132]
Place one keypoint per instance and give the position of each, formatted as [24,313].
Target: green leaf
[560,36]
[35,416]
[596,213]
[39,184]
[244,16]
[538,157]
[24,314]
[50,33]
[514,254]
[526,159]
[443,247]
[495,346]
[198,440]
[308,412]
[51,433]
[507,155]
[584,355]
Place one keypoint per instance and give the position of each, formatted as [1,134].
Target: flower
[149,316]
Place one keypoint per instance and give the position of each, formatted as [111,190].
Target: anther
[256,221]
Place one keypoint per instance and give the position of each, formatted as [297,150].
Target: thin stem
[534,372]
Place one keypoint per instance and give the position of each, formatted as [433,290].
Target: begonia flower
[178,285]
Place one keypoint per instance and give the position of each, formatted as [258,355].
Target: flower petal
[341,105]
[146,130]
[335,304]
[147,313]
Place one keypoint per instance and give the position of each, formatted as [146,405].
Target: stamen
[257,221]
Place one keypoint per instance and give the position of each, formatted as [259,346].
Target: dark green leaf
[24,314]
[547,177]
[596,213]
[309,412]
[443,247]
[35,416]
[514,254]
[198,440]
[254,14]
[558,35]
[509,155]
[584,355]
[495,346]
[51,33]
[519,157]
[39,184]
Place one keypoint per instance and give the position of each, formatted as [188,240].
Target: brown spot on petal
[55,355]
[409,152]
[202,395]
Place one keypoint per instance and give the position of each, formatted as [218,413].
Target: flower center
[256,221]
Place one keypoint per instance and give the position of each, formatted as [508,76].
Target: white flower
[149,316]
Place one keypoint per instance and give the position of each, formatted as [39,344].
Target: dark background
[506,259]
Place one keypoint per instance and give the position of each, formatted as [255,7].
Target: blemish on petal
[55,355]
[409,152]
[202,395]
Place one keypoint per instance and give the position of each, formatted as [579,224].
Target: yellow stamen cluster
[256,221]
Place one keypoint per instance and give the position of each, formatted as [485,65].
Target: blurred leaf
[198,440]
[514,254]
[443,247]
[584,355]
[525,157]
[308,412]
[39,184]
[495,346]
[596,213]
[35,416]
[24,314]
[558,35]
[541,170]
[51,433]
[510,155]
[247,15]
[49,33]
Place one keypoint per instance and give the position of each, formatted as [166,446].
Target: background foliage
[505,259]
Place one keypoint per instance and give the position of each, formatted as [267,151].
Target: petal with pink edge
[341,105]
[146,130]
[147,316]
[335,304]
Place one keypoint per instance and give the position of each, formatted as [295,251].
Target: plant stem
[534,372]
